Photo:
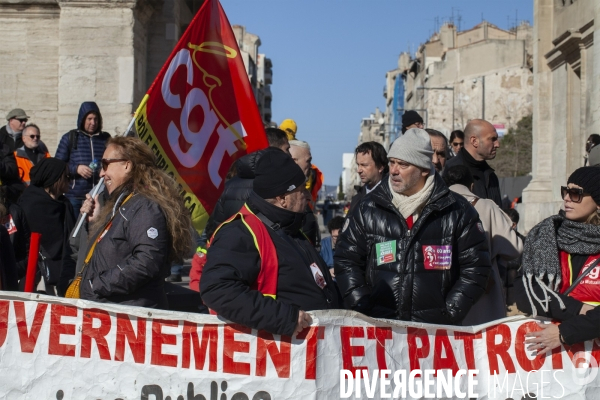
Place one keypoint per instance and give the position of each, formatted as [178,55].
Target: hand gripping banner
[200,114]
[54,348]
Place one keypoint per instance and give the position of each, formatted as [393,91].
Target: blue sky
[330,57]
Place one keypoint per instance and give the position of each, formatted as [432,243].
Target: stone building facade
[566,106]
[259,69]
[59,53]
[484,72]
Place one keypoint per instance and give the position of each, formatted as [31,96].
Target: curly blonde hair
[150,181]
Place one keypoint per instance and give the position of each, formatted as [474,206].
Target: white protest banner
[52,348]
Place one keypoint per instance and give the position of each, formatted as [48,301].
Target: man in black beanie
[411,119]
[261,271]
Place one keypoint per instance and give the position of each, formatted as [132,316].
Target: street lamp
[442,88]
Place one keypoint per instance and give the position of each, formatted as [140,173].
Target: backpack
[72,140]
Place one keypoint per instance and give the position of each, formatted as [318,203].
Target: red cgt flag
[200,114]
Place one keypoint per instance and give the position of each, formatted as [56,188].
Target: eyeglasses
[34,136]
[456,144]
[107,161]
[575,194]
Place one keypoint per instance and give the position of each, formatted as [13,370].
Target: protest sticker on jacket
[200,114]
[52,348]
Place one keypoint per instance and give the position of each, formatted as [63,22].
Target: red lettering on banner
[348,350]
[468,347]
[522,358]
[415,352]
[89,333]
[312,335]
[380,334]
[137,342]
[4,306]
[265,343]
[499,350]
[159,339]
[232,346]
[442,342]
[57,328]
[28,339]
[210,338]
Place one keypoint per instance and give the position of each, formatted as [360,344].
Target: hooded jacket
[486,185]
[233,264]
[89,148]
[402,286]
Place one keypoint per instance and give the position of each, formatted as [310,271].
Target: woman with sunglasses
[457,141]
[561,267]
[141,229]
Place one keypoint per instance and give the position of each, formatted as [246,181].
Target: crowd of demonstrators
[411,250]
[503,244]
[143,227]
[82,148]
[261,271]
[424,240]
[328,243]
[441,152]
[481,143]
[457,141]
[371,166]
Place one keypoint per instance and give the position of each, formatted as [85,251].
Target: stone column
[96,61]
[594,88]
[537,196]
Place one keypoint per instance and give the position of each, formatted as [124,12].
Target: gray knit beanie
[414,147]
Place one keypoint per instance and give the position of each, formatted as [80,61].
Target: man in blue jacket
[82,149]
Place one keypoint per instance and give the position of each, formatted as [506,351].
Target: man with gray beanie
[261,271]
[412,250]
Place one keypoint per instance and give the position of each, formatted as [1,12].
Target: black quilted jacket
[402,288]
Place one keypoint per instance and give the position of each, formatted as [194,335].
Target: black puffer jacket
[403,289]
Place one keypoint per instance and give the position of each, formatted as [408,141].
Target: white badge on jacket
[152,233]
[319,279]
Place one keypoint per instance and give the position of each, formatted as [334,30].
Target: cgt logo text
[428,384]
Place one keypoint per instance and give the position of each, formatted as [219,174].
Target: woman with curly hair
[561,267]
[143,228]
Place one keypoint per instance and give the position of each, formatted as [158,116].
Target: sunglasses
[107,161]
[575,194]
[456,144]
[22,120]
[34,136]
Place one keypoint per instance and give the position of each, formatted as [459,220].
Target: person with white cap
[412,250]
